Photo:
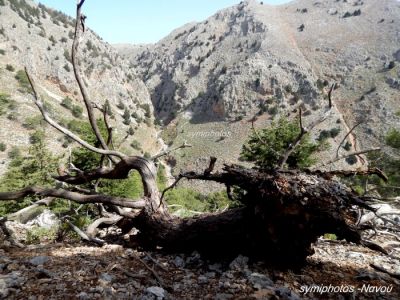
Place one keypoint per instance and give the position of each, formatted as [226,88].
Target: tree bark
[283,213]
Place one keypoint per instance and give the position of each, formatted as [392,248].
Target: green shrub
[83,158]
[334,132]
[32,169]
[351,160]
[6,103]
[136,145]
[130,131]
[67,55]
[347,146]
[330,236]
[34,122]
[273,110]
[52,40]
[36,137]
[3,147]
[187,202]
[67,103]
[267,146]
[325,134]
[131,187]
[37,235]
[14,153]
[147,110]
[121,105]
[67,68]
[10,68]
[23,81]
[2,52]
[127,117]
[393,138]
[77,111]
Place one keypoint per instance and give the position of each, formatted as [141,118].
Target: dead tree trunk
[282,213]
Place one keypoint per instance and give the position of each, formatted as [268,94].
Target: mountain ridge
[254,59]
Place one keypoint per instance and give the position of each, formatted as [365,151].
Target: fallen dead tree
[282,211]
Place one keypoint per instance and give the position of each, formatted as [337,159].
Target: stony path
[61,271]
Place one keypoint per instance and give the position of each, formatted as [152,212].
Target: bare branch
[110,142]
[346,156]
[92,228]
[166,152]
[348,173]
[256,132]
[211,166]
[345,137]
[305,130]
[119,171]
[292,146]
[48,119]
[330,94]
[17,215]
[153,272]
[170,187]
[84,236]
[73,196]
[80,25]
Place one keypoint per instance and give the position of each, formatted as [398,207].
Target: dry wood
[63,130]
[79,29]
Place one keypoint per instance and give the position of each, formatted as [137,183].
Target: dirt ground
[76,271]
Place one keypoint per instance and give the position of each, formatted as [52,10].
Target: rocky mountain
[40,38]
[207,79]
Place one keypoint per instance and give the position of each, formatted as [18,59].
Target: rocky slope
[207,79]
[41,38]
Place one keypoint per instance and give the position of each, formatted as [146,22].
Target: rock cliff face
[254,58]
[41,38]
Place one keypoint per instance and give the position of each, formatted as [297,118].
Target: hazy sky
[142,21]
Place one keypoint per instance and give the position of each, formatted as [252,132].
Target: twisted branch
[80,27]
[54,124]
[73,196]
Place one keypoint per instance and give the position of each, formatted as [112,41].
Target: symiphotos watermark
[210,133]
[333,289]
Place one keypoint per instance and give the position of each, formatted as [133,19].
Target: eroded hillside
[41,39]
[208,79]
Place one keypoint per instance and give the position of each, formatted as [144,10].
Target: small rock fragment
[156,291]
[39,260]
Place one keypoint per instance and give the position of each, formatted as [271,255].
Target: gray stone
[286,293]
[223,296]
[202,279]
[239,263]
[210,274]
[156,291]
[332,11]
[179,262]
[83,296]
[46,219]
[106,277]
[194,258]
[43,273]
[39,260]
[9,283]
[260,281]
[215,267]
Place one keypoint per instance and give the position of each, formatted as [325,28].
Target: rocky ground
[78,271]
